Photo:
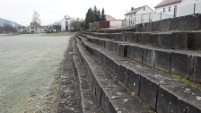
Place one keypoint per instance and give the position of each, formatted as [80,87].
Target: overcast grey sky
[21,11]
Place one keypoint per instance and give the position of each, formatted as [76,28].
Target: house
[137,11]
[22,29]
[34,27]
[55,28]
[46,29]
[66,23]
[109,18]
[177,7]
[114,23]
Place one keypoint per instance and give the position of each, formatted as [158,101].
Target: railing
[182,10]
[144,18]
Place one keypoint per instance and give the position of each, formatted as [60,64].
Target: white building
[109,18]
[129,16]
[114,23]
[178,7]
[66,23]
[35,28]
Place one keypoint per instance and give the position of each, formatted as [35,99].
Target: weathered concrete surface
[29,72]
[168,60]
[184,23]
[122,50]
[196,41]
[110,94]
[162,60]
[150,83]
[168,40]
[69,99]
[179,99]
[197,69]
[89,103]
[172,51]
[148,57]
[182,64]
[135,53]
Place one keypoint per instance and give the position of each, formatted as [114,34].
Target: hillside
[4,21]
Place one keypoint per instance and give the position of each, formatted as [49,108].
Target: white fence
[144,18]
[151,17]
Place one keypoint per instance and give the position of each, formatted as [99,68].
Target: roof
[66,16]
[167,2]
[35,24]
[135,10]
[109,18]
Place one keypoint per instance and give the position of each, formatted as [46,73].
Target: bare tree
[56,23]
[1,29]
[36,17]
[8,28]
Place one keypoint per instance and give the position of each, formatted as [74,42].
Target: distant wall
[116,24]
[98,25]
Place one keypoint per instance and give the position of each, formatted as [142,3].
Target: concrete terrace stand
[144,69]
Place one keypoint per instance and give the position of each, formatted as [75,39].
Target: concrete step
[183,23]
[168,40]
[163,93]
[179,62]
[116,30]
[69,101]
[111,95]
[89,103]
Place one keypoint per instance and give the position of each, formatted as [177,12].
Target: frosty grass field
[29,71]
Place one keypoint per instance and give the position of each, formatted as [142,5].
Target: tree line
[94,15]
[6,28]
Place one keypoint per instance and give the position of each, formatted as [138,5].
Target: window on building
[144,8]
[32,27]
[163,10]
[169,9]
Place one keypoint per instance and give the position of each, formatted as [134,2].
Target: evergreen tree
[86,25]
[95,13]
[90,17]
[103,15]
[98,16]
